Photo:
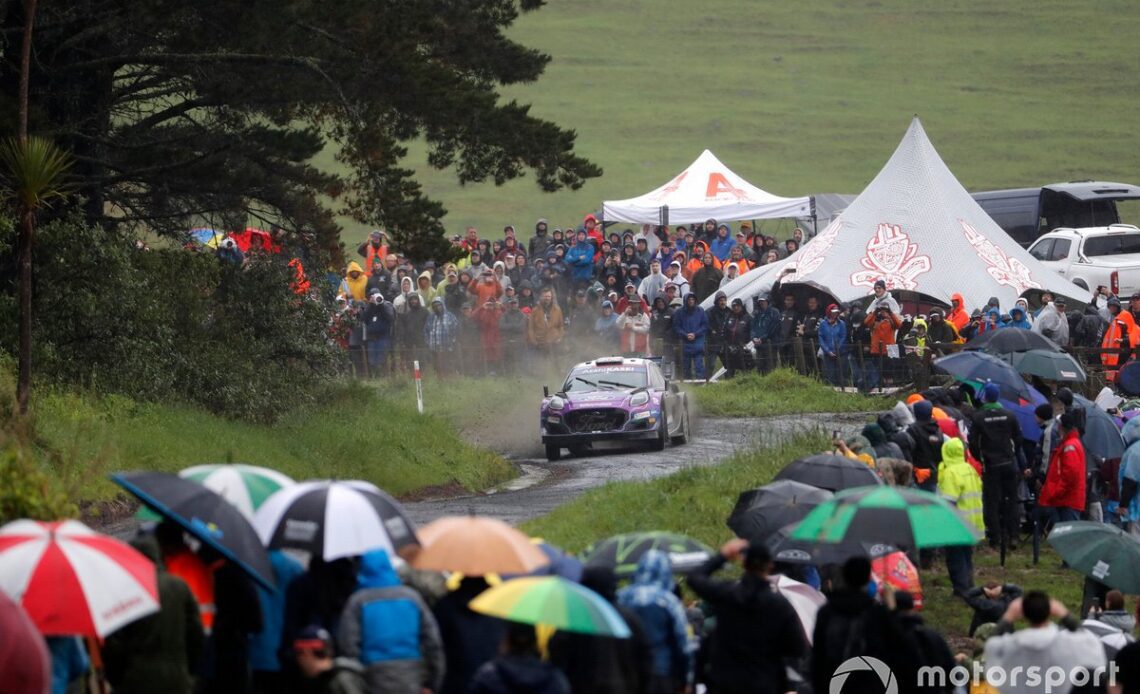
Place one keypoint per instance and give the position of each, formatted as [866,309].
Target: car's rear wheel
[662,434]
[553,452]
[682,437]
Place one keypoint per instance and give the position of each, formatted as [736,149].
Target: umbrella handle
[95,653]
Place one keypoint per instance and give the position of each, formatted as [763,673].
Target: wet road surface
[544,485]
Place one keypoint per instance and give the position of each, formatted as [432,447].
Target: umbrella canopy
[1100,551]
[477,546]
[1023,409]
[804,599]
[788,550]
[245,486]
[1050,365]
[72,580]
[334,519]
[829,471]
[1101,438]
[761,512]
[622,552]
[982,367]
[210,238]
[24,658]
[898,570]
[552,601]
[1112,638]
[1011,340]
[906,518]
[562,563]
[204,514]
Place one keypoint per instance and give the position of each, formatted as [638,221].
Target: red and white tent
[707,189]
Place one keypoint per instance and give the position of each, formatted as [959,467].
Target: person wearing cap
[1119,340]
[373,248]
[379,321]
[629,295]
[691,325]
[1052,322]
[675,277]
[883,326]
[832,340]
[1063,493]
[313,651]
[995,437]
[388,628]
[737,259]
[633,324]
[927,451]
[765,332]
[664,253]
[757,630]
[882,297]
[942,334]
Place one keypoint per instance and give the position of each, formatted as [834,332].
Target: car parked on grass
[1106,256]
[613,399]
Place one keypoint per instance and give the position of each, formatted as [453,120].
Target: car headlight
[556,403]
[642,415]
[639,399]
[554,419]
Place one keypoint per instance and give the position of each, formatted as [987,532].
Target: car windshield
[1114,244]
[605,378]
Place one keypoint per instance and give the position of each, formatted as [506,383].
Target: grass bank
[697,502]
[356,433]
[779,392]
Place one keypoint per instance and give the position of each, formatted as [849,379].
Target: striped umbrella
[73,580]
[906,518]
[245,486]
[334,519]
[554,602]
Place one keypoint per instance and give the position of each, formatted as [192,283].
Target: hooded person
[731,272]
[400,301]
[580,259]
[519,669]
[723,243]
[355,283]
[927,437]
[425,288]
[662,615]
[390,630]
[410,329]
[500,272]
[1018,318]
[1023,304]
[540,241]
[706,280]
[1052,322]
[959,483]
[958,316]
[691,326]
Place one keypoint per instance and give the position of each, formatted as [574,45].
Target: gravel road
[544,485]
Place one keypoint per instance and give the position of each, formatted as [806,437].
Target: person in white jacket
[1053,323]
[1044,649]
[653,286]
[634,326]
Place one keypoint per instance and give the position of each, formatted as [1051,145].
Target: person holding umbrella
[757,629]
[995,435]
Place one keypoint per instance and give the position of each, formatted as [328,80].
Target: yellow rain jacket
[959,482]
[355,282]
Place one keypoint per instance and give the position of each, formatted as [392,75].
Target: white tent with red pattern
[916,228]
[706,189]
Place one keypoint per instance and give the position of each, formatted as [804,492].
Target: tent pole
[664,215]
[814,220]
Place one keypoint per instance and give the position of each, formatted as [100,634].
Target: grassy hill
[813,97]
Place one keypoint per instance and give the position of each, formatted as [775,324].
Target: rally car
[613,398]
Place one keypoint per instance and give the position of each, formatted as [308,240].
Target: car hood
[601,398]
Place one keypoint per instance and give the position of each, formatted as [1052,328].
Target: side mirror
[546,391]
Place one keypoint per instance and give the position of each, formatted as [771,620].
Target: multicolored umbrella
[906,518]
[72,580]
[829,471]
[622,552]
[245,486]
[1100,551]
[334,519]
[204,514]
[477,546]
[552,601]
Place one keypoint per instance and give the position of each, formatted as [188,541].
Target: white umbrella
[804,599]
[245,486]
[334,519]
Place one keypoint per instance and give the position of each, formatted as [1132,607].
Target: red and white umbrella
[73,580]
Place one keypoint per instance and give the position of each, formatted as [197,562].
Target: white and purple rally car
[613,398]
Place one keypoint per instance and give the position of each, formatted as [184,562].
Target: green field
[813,97]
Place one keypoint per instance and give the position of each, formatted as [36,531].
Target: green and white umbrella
[905,518]
[245,486]
[1100,551]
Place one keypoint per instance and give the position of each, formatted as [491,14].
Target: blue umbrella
[980,367]
[1022,409]
[1102,439]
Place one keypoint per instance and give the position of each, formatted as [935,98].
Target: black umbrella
[785,549]
[982,367]
[1052,366]
[1008,340]
[204,514]
[829,471]
[1102,440]
[623,552]
[761,512]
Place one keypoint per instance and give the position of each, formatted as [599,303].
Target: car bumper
[566,440]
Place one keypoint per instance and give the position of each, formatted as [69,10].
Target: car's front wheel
[553,452]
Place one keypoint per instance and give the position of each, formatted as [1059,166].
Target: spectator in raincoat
[653,286]
[706,280]
[379,320]
[663,620]
[958,316]
[390,630]
[1128,477]
[691,325]
[1063,493]
[1017,319]
[1120,337]
[722,245]
[1053,323]
[580,260]
[441,336]
[959,483]
[832,338]
[355,282]
[765,332]
[486,319]
[545,327]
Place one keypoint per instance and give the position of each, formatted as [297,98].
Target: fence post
[419,386]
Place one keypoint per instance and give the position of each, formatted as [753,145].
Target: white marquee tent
[706,189]
[917,228]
